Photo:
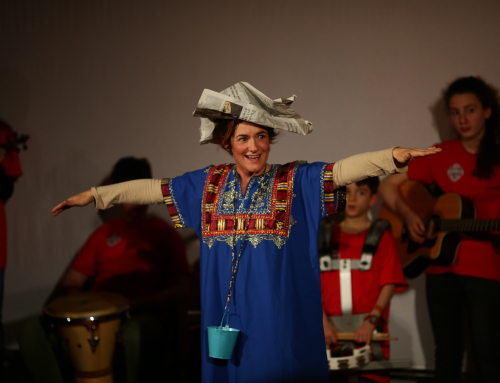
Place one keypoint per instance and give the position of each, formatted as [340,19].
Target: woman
[469,166]
[276,297]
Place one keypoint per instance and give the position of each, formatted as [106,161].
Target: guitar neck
[468,225]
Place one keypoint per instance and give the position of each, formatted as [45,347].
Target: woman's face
[250,147]
[468,115]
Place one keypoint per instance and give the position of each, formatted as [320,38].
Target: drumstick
[377,337]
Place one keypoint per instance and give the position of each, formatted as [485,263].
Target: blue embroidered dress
[276,302]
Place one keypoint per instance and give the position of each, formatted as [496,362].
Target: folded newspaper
[243,102]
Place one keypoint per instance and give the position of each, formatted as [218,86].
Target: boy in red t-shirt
[362,305]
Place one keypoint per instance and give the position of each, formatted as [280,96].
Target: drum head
[85,305]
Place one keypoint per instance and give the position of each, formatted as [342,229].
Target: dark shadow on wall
[441,120]
[113,212]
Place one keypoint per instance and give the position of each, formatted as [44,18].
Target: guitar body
[439,248]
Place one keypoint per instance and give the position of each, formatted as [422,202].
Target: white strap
[345,286]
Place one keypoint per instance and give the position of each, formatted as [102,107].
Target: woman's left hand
[404,155]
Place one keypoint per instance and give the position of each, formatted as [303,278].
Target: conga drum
[87,324]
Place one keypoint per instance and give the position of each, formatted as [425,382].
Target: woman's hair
[489,149]
[224,131]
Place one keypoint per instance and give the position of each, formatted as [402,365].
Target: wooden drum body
[87,324]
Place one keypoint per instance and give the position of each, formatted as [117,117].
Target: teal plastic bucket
[221,341]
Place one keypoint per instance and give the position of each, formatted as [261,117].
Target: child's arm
[365,331]
[328,327]
[330,330]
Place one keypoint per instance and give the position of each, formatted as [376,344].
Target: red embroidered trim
[335,200]
[277,222]
[167,199]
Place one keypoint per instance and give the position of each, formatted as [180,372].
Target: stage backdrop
[92,81]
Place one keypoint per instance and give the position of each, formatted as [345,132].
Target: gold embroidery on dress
[322,188]
[254,239]
[278,241]
[226,207]
[217,223]
[229,196]
[209,241]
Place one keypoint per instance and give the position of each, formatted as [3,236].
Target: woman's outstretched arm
[346,171]
[138,192]
[371,164]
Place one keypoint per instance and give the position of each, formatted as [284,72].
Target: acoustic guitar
[446,218]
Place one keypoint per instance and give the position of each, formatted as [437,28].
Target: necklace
[260,193]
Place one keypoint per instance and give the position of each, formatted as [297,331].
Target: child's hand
[364,333]
[330,332]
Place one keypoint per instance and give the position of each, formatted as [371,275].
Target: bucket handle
[222,320]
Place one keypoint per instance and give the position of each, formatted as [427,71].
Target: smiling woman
[249,145]
[224,131]
[258,224]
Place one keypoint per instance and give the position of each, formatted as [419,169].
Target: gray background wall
[92,81]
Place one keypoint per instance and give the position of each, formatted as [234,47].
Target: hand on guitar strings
[82,199]
[415,226]
[402,156]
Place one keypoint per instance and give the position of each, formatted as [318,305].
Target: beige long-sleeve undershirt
[345,172]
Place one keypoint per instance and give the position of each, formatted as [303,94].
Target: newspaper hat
[243,102]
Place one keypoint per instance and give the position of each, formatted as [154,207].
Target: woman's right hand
[330,332]
[415,226]
[81,199]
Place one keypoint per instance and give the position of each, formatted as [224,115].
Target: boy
[360,306]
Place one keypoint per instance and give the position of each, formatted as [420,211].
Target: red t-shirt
[452,171]
[134,259]
[12,168]
[386,269]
